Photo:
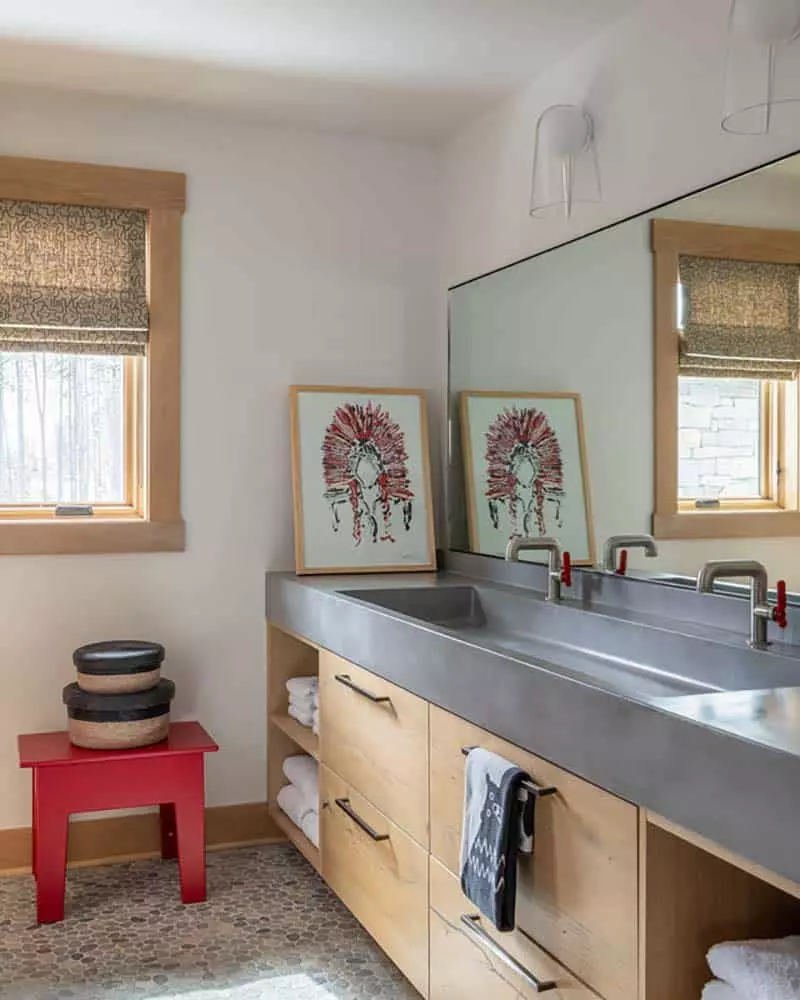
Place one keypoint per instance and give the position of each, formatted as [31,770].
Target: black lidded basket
[119,666]
[118,721]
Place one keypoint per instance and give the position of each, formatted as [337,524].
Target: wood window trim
[156,525]
[778,518]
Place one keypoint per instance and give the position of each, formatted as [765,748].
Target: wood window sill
[727,524]
[90,537]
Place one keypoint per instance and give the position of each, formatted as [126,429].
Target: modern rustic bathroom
[400,500]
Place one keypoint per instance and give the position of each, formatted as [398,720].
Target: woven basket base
[119,683]
[118,735]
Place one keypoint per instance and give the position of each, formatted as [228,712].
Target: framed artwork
[362,481]
[525,471]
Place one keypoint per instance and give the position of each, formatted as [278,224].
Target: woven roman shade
[741,319]
[73,279]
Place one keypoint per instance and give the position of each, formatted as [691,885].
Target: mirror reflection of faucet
[621,544]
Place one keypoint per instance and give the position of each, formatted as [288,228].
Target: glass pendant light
[762,80]
[565,168]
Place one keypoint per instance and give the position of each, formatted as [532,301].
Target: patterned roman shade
[740,319]
[73,279]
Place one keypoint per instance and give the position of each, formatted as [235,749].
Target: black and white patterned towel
[498,825]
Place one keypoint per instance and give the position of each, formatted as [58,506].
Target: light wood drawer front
[383,882]
[464,967]
[379,747]
[577,894]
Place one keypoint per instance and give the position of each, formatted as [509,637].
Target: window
[723,438]
[89,356]
[727,355]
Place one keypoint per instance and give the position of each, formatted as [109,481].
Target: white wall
[653,85]
[307,258]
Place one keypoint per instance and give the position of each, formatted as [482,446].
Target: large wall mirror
[639,379]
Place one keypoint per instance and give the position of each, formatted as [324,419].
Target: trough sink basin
[640,661]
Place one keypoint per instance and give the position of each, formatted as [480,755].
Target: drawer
[380,747]
[384,882]
[577,894]
[465,966]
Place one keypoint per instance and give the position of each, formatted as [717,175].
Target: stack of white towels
[755,970]
[300,798]
[304,701]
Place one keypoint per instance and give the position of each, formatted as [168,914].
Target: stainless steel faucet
[554,561]
[617,542]
[760,610]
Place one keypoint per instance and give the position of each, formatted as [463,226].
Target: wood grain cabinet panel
[375,736]
[384,882]
[577,894]
[465,967]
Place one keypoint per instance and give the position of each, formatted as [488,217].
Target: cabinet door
[379,873]
[577,895]
[375,736]
[470,960]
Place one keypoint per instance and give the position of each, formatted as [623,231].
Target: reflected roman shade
[739,318]
[73,279]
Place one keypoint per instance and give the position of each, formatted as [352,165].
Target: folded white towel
[310,827]
[291,800]
[302,687]
[304,704]
[717,990]
[315,721]
[305,718]
[302,771]
[759,969]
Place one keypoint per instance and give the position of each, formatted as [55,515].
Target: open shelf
[297,733]
[296,836]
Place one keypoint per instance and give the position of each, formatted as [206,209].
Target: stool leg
[169,839]
[191,827]
[50,860]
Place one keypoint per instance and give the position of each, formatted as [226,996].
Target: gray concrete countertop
[725,765]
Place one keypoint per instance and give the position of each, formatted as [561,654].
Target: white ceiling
[389,67]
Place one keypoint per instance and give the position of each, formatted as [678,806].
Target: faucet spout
[617,542]
[554,561]
[760,611]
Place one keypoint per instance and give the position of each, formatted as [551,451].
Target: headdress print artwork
[525,472]
[361,480]
[365,465]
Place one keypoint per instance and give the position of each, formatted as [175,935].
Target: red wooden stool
[68,779]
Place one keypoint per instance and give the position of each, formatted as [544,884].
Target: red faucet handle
[779,611]
[566,569]
[622,569]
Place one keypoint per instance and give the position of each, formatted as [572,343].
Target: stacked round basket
[120,700]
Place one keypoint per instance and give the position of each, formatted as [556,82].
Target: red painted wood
[69,779]
[55,749]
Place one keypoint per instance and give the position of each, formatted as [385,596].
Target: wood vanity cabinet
[614,904]
[577,894]
[470,960]
[379,872]
[375,736]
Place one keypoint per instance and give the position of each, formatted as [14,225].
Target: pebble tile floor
[270,930]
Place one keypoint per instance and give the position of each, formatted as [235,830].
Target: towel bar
[531,786]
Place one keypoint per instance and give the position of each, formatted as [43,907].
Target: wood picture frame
[508,514]
[361,480]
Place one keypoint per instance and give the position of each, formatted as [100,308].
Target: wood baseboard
[124,838]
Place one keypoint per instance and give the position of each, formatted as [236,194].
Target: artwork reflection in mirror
[706,454]
[525,471]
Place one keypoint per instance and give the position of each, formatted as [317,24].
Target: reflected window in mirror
[727,359]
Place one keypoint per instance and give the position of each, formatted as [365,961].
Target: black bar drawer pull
[473,924]
[344,805]
[376,698]
[529,786]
